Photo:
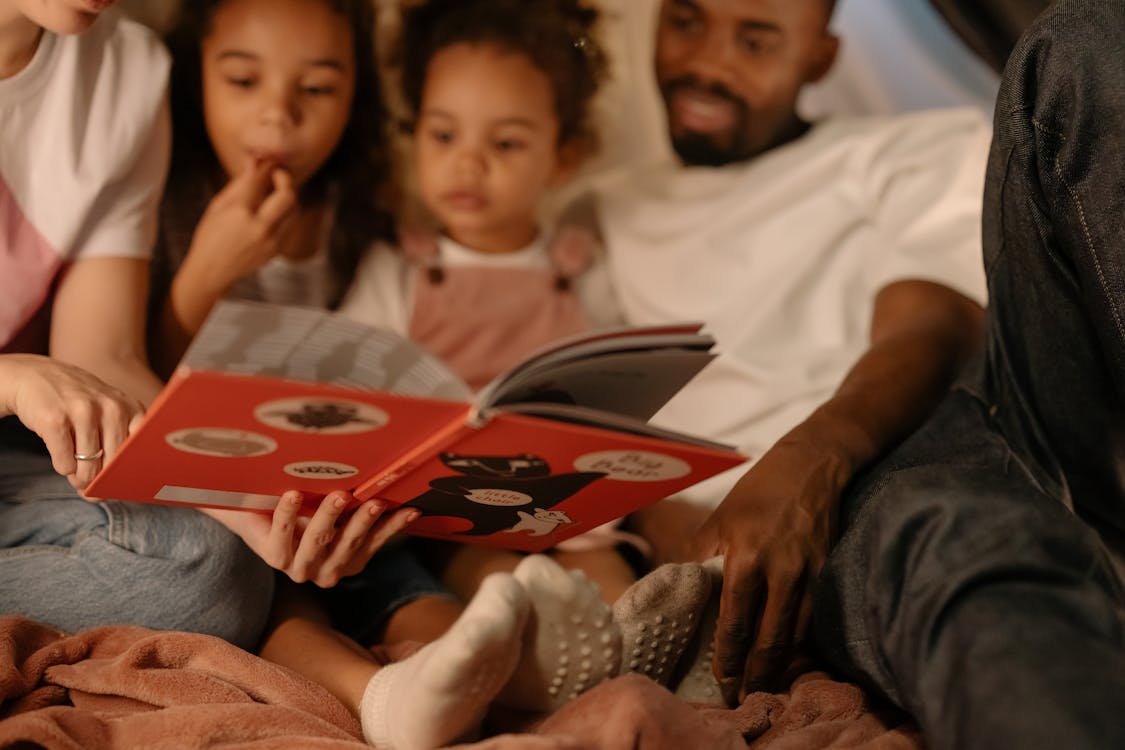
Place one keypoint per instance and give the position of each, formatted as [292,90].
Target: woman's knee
[197,575]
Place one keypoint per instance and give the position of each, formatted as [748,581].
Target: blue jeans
[974,583]
[75,565]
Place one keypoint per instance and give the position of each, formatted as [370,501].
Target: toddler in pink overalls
[500,118]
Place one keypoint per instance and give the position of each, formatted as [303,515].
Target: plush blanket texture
[128,687]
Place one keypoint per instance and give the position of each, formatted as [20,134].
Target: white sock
[658,616]
[697,683]
[571,642]
[441,693]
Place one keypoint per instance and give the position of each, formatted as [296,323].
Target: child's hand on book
[324,548]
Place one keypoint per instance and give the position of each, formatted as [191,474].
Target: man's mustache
[710,88]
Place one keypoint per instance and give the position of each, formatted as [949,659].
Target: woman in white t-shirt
[82,163]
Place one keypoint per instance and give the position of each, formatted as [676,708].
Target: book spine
[410,460]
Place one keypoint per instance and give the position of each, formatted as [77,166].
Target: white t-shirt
[382,292]
[83,158]
[782,258]
[282,281]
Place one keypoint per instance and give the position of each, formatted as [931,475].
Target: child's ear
[571,154]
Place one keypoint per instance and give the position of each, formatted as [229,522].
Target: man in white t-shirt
[838,265]
[82,164]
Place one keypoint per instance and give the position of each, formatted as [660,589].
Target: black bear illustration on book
[502,493]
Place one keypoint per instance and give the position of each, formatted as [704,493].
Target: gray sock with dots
[658,616]
[695,681]
[570,642]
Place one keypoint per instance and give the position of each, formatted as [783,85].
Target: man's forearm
[898,381]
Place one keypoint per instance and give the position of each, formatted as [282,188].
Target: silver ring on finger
[90,456]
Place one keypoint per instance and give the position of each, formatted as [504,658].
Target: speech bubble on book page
[499,497]
[634,465]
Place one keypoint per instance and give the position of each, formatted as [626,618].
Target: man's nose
[714,60]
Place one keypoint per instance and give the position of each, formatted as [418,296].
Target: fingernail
[338,503]
[375,508]
[414,516]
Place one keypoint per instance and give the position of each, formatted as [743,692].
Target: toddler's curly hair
[557,36]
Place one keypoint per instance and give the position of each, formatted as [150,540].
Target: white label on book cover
[221,442]
[197,496]
[321,416]
[634,466]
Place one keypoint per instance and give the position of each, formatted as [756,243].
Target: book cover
[271,398]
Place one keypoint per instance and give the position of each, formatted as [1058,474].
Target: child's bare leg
[468,564]
[301,638]
[428,700]
[425,619]
[604,566]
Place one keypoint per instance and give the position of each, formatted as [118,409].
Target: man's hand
[74,412]
[774,530]
[322,549]
[776,526]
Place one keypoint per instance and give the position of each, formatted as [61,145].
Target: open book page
[631,372]
[628,383]
[616,422]
[300,343]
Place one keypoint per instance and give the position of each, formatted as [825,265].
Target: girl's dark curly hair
[557,36]
[357,173]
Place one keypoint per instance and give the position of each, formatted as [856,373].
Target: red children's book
[272,398]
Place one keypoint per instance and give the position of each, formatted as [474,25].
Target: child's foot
[441,693]
[697,683]
[571,642]
[658,616]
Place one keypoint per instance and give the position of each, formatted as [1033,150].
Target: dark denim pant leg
[963,587]
[972,597]
[1054,245]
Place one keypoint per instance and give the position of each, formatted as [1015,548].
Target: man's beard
[708,150]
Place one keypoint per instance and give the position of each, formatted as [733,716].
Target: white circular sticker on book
[221,442]
[634,466]
[322,416]
[320,470]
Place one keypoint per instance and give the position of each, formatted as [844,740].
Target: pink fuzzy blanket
[128,687]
